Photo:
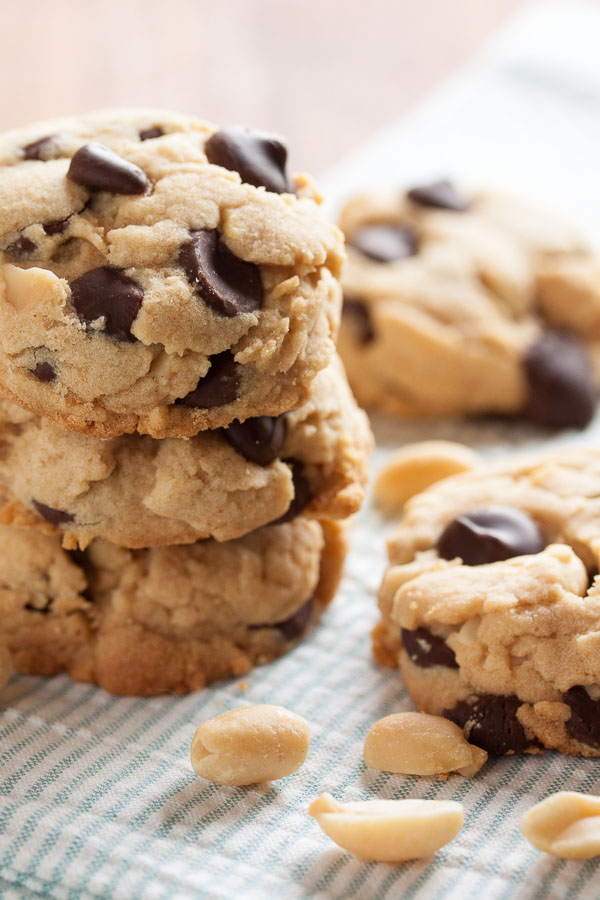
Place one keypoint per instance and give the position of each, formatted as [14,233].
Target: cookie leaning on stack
[162,276]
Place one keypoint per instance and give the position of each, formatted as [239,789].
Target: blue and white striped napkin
[97,797]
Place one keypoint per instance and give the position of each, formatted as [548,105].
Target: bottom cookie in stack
[164,619]
[491,603]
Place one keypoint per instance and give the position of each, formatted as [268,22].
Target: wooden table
[325,73]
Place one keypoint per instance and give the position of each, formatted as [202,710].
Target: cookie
[136,491]
[464,305]
[491,604]
[159,274]
[167,619]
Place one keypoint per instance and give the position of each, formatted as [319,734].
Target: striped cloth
[97,797]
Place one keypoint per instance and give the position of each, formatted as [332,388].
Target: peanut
[566,824]
[250,745]
[27,288]
[413,743]
[5,666]
[389,830]
[415,467]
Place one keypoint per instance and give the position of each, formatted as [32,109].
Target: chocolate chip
[358,313]
[259,157]
[99,168]
[297,624]
[259,439]
[561,390]
[23,246]
[489,535]
[584,722]
[56,227]
[107,293]
[43,148]
[150,133]
[55,516]
[302,493]
[44,610]
[385,242]
[44,371]
[219,386]
[230,285]
[425,649]
[491,722]
[439,194]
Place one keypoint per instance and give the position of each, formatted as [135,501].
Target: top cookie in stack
[160,275]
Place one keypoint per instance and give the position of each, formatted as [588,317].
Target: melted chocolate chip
[358,313]
[259,440]
[561,390]
[584,722]
[150,133]
[385,242]
[219,386]
[43,148]
[297,624]
[23,246]
[440,195]
[489,535]
[229,285]
[44,372]
[302,493]
[99,168]
[54,516]
[56,227]
[425,649]
[491,722]
[107,293]
[259,158]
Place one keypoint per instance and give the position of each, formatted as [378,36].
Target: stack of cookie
[179,443]
[493,307]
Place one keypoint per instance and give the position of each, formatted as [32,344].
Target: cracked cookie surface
[159,274]
[136,491]
[491,604]
[167,619]
[460,305]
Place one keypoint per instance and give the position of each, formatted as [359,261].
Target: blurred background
[324,73]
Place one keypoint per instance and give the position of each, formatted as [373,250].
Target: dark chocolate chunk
[44,371]
[149,133]
[259,439]
[297,624]
[41,149]
[56,227]
[385,242]
[99,168]
[54,516]
[489,535]
[561,390]
[358,313]
[584,722]
[302,493]
[490,722]
[425,649]
[108,293]
[23,246]
[229,285]
[219,386]
[440,195]
[260,158]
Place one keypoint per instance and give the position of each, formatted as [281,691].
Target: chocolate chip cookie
[136,491]
[462,305]
[160,274]
[491,604]
[168,619]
